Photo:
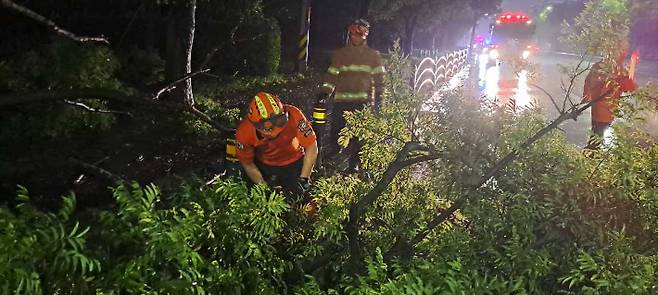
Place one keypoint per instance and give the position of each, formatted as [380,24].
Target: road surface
[501,83]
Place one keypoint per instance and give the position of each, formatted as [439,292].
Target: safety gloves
[302,186]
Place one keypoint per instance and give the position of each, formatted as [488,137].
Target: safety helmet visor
[272,125]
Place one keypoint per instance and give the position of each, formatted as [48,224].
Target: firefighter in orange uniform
[355,76]
[605,90]
[276,145]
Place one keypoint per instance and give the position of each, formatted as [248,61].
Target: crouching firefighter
[276,146]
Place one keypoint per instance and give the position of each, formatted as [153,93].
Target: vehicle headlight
[494,54]
[525,54]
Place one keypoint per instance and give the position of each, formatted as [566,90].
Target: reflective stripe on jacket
[356,74]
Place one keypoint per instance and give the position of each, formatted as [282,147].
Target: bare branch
[93,110]
[106,94]
[97,170]
[577,73]
[231,39]
[49,23]
[216,49]
[171,86]
[205,118]
[130,23]
[549,96]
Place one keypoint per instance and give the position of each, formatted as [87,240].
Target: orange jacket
[607,88]
[285,149]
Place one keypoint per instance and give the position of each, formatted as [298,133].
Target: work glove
[301,186]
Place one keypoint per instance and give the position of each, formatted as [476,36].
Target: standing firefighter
[356,78]
[604,86]
[276,145]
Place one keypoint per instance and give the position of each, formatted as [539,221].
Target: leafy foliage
[600,29]
[61,65]
[43,247]
[555,221]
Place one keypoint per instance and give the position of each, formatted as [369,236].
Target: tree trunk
[409,30]
[191,26]
[179,41]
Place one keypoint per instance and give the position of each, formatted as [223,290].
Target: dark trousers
[282,177]
[337,124]
[599,129]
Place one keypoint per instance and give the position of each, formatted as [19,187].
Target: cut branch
[49,23]
[499,166]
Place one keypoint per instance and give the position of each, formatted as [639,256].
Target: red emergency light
[513,17]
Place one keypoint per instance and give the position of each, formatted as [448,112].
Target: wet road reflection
[500,89]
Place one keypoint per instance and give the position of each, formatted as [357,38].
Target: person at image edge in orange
[606,89]
[276,145]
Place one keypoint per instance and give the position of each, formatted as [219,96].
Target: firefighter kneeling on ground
[276,146]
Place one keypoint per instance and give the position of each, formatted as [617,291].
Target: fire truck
[511,36]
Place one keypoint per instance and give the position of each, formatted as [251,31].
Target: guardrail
[434,70]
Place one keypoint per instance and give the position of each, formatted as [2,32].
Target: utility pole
[304,32]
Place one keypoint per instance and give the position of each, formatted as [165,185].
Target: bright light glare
[494,54]
[609,137]
[526,54]
[483,59]
[522,95]
[491,88]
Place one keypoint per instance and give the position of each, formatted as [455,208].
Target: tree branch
[216,49]
[106,94]
[97,170]
[499,166]
[93,110]
[171,86]
[49,23]
[357,210]
[549,96]
[573,80]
